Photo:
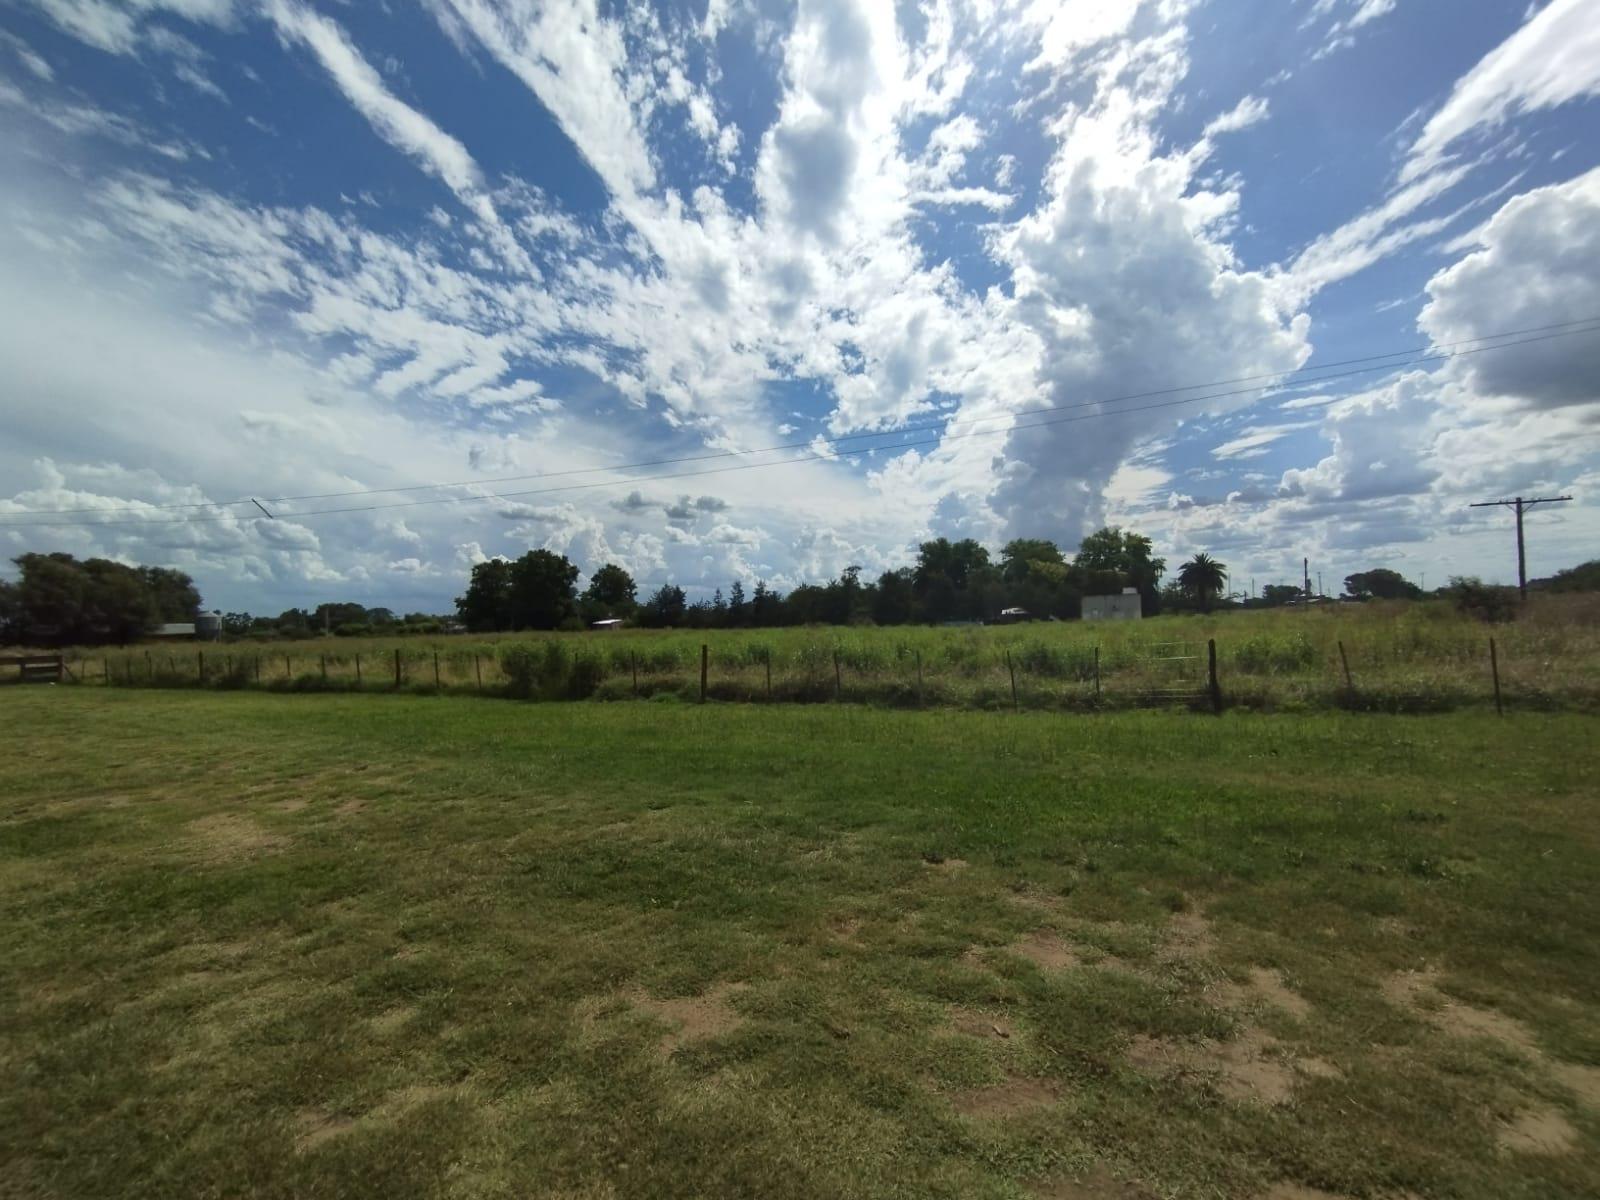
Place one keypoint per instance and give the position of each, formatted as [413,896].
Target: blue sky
[321,253]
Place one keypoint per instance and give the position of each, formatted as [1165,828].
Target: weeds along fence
[1404,665]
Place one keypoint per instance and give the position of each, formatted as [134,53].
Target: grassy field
[390,946]
[1403,657]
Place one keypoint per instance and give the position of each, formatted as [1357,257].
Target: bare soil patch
[1251,1067]
[1264,985]
[1045,948]
[1014,1097]
[392,1020]
[316,1127]
[226,836]
[1098,1184]
[694,1018]
[1541,1130]
[940,863]
[979,1025]
[1189,936]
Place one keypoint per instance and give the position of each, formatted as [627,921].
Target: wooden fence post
[358,669]
[1012,671]
[1494,668]
[768,657]
[1349,684]
[324,665]
[477,670]
[436,668]
[200,665]
[105,671]
[1211,665]
[838,675]
[397,666]
[705,660]
[633,666]
[288,671]
[258,668]
[919,679]
[1097,673]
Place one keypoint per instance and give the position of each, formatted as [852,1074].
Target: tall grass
[1402,656]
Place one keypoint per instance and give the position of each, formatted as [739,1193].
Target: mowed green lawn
[304,946]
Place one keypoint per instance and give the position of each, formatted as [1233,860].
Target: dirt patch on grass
[1015,1097]
[1251,1067]
[315,1127]
[979,1025]
[693,1018]
[1417,993]
[1045,948]
[227,836]
[1264,985]
[351,807]
[1541,1130]
[844,929]
[1098,1184]
[392,1021]
[1189,937]
[1298,1191]
[1583,1082]
[937,862]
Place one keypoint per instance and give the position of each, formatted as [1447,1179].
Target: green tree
[894,600]
[1203,578]
[1121,559]
[543,589]
[1022,557]
[10,613]
[611,590]
[665,608]
[1275,594]
[1380,583]
[486,606]
[738,607]
[172,592]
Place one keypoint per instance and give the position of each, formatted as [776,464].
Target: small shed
[174,629]
[1125,607]
[608,623]
[1011,616]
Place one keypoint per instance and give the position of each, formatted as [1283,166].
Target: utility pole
[1319,585]
[1521,506]
[1305,591]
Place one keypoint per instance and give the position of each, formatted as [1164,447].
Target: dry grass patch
[1251,1067]
[224,837]
[1046,949]
[1263,985]
[1541,1130]
[1015,1097]
[1098,1184]
[979,1025]
[693,1018]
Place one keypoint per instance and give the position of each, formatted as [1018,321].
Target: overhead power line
[941,435]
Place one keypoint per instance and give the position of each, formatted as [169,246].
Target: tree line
[949,581]
[60,600]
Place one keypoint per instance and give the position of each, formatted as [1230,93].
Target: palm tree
[1203,577]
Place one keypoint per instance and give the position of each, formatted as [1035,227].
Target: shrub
[1475,598]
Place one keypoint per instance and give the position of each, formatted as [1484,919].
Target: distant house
[608,623]
[1126,607]
[1012,616]
[174,630]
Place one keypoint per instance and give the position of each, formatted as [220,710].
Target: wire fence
[1083,678]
